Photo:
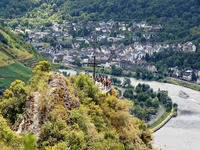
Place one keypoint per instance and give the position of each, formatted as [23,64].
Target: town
[113,42]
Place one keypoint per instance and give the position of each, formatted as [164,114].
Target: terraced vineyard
[17,58]
[12,72]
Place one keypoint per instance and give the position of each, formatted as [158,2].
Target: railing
[105,89]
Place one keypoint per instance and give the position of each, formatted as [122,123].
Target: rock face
[59,90]
[54,91]
[32,116]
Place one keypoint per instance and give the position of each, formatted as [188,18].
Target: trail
[20,127]
[157,116]
[31,122]
[35,127]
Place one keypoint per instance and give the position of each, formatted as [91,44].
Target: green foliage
[144,74]
[11,9]
[7,136]
[100,122]
[30,142]
[42,67]
[115,81]
[16,56]
[78,62]
[116,71]
[145,100]
[3,39]
[14,99]
[86,84]
[127,83]
[53,132]
[165,99]
[170,58]
[11,72]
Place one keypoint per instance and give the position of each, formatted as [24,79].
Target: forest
[170,58]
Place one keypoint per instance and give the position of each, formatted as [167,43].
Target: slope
[180,18]
[16,58]
[71,113]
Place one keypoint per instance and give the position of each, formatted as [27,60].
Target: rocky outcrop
[59,90]
[55,91]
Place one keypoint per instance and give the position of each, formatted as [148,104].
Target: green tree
[42,67]
[194,77]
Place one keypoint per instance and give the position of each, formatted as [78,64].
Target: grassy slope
[16,58]
[11,72]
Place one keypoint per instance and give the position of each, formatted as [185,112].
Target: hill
[179,18]
[16,58]
[69,114]
[16,8]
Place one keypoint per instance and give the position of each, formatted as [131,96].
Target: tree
[3,39]
[13,103]
[127,82]
[78,62]
[42,67]
[116,71]
[194,77]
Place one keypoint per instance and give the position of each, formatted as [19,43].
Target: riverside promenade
[163,122]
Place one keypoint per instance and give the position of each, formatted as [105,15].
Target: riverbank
[128,75]
[181,83]
[162,120]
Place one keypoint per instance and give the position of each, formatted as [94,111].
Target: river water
[182,132]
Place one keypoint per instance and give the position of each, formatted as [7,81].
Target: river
[182,132]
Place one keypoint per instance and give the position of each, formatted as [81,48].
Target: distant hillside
[14,8]
[15,54]
[180,18]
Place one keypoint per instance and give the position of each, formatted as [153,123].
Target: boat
[182,94]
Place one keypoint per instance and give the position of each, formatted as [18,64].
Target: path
[157,116]
[35,127]
[31,122]
[163,122]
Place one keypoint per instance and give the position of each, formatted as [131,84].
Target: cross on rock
[94,63]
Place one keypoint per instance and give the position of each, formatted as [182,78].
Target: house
[189,47]
[122,28]
[127,65]
[176,71]
[187,75]
[152,68]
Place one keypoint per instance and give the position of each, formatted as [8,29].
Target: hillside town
[113,42]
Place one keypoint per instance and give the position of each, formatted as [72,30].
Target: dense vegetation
[147,101]
[14,8]
[180,18]
[76,117]
[169,58]
[144,74]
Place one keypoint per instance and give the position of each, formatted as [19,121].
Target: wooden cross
[94,67]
